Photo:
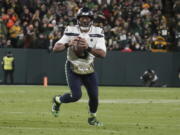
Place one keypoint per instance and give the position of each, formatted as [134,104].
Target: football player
[83,42]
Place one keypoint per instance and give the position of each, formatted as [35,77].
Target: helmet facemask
[85,19]
[85,23]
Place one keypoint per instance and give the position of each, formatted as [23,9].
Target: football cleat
[56,106]
[93,121]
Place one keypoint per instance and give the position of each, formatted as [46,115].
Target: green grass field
[26,110]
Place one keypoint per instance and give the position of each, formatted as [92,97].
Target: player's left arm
[99,50]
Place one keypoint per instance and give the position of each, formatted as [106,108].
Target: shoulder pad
[71,31]
[98,30]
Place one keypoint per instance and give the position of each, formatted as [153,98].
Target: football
[78,49]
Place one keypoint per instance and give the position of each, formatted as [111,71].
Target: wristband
[66,45]
[89,49]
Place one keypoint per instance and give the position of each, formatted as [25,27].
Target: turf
[26,110]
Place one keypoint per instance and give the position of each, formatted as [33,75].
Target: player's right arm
[65,42]
[58,47]
[62,43]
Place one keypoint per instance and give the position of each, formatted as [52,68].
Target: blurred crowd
[129,25]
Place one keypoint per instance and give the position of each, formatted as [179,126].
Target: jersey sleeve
[101,44]
[64,39]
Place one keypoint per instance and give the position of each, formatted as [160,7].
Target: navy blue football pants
[75,81]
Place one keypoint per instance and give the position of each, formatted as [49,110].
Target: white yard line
[135,101]
[108,101]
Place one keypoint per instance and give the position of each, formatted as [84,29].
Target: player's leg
[74,83]
[91,84]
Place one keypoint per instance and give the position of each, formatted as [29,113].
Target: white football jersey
[95,39]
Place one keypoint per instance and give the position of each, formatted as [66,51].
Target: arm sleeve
[101,44]
[64,39]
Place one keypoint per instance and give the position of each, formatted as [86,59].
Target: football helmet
[85,18]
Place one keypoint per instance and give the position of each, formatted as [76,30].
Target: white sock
[57,98]
[92,114]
